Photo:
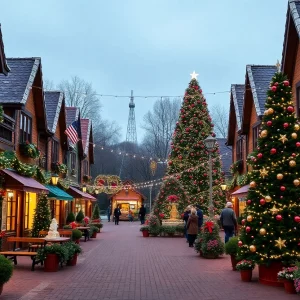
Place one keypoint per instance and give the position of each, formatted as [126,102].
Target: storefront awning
[14,181]
[79,194]
[242,191]
[57,193]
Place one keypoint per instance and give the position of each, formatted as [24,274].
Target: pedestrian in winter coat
[117,214]
[192,227]
[186,216]
[228,221]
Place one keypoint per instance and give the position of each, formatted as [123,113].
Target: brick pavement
[122,265]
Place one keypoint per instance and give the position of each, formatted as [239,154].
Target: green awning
[57,193]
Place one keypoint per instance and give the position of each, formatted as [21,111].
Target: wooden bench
[32,254]
[65,233]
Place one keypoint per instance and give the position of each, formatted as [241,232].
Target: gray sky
[150,46]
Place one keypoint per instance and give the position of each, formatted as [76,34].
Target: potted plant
[154,225]
[231,248]
[145,230]
[6,270]
[52,255]
[98,225]
[245,267]
[169,230]
[297,278]
[59,168]
[76,235]
[93,231]
[287,276]
[70,217]
[73,251]
[80,216]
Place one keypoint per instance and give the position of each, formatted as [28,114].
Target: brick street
[122,265]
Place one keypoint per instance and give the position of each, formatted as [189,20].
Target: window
[25,128]
[73,160]
[239,149]
[54,154]
[298,100]
[255,131]
[26,212]
[85,167]
[11,213]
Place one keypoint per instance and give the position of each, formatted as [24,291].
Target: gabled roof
[72,114]
[257,82]
[4,68]
[87,138]
[15,87]
[226,155]
[53,103]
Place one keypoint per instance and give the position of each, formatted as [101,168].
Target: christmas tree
[188,160]
[96,213]
[42,218]
[271,228]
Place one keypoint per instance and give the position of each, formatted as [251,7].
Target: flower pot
[94,235]
[73,261]
[145,233]
[268,274]
[234,261]
[51,263]
[289,287]
[246,275]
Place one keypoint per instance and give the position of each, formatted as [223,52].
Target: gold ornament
[270,111]
[292,163]
[296,182]
[296,127]
[252,248]
[274,210]
[266,112]
[294,135]
[262,231]
[264,133]
[252,184]
[280,243]
[268,199]
[249,218]
[263,172]
[283,138]
[279,176]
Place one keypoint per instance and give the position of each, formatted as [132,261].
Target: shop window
[26,212]
[11,214]
[255,131]
[54,154]
[25,128]
[242,205]
[29,210]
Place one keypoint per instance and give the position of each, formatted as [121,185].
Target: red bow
[209,226]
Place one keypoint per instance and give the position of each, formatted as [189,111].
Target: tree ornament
[263,172]
[297,219]
[269,123]
[249,201]
[294,135]
[279,217]
[240,243]
[286,83]
[296,127]
[274,210]
[262,201]
[259,155]
[252,248]
[292,163]
[270,111]
[296,182]
[266,112]
[280,243]
[282,188]
[264,133]
[262,231]
[249,218]
[248,229]
[274,88]
[279,176]
[298,144]
[252,184]
[268,199]
[283,138]
[285,125]
[273,151]
[290,109]
[243,222]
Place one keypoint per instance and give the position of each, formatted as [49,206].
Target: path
[122,265]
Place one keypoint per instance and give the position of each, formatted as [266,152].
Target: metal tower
[131,136]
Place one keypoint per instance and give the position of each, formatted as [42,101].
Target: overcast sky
[149,46]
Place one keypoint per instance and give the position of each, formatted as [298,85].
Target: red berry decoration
[274,88]
[269,123]
[279,217]
[249,202]
[273,151]
[297,219]
[286,83]
[240,243]
[285,125]
[248,228]
[259,155]
[282,188]
[298,144]
[262,201]
[290,109]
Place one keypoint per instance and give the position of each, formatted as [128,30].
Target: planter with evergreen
[76,235]
[6,270]
[80,216]
[70,218]
[231,248]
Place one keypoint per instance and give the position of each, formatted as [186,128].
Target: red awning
[243,190]
[79,194]
[14,181]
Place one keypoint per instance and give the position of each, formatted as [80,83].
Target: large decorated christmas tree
[272,225]
[188,160]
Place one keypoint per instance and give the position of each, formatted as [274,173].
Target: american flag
[72,133]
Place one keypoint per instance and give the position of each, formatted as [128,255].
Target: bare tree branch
[219,115]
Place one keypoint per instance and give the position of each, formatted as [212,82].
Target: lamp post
[224,188]
[210,146]
[84,188]
[150,198]
[54,179]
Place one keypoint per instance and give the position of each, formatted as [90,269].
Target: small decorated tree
[42,217]
[96,214]
[80,216]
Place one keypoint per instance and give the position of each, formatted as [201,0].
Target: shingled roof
[15,87]
[294,7]
[72,114]
[85,134]
[4,68]
[226,156]
[237,92]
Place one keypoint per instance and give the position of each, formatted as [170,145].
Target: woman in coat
[192,227]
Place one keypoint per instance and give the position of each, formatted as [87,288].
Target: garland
[1,114]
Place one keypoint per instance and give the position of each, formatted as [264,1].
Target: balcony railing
[7,128]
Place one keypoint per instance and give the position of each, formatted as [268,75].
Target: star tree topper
[194,75]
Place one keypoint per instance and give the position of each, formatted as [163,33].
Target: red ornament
[240,243]
[282,188]
[297,219]
[273,151]
[279,217]
[298,144]
[293,154]
[259,155]
[243,221]
[262,201]
[274,88]
[248,229]
[286,83]
[249,202]
[290,109]
[269,123]
[285,125]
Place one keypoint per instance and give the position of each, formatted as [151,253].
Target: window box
[29,150]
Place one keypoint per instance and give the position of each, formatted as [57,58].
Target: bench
[65,233]
[32,254]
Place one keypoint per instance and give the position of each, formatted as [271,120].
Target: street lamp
[84,188]
[210,146]
[54,179]
[150,198]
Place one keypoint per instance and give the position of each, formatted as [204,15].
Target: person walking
[185,219]
[142,213]
[108,212]
[228,221]
[200,217]
[117,213]
[192,227]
